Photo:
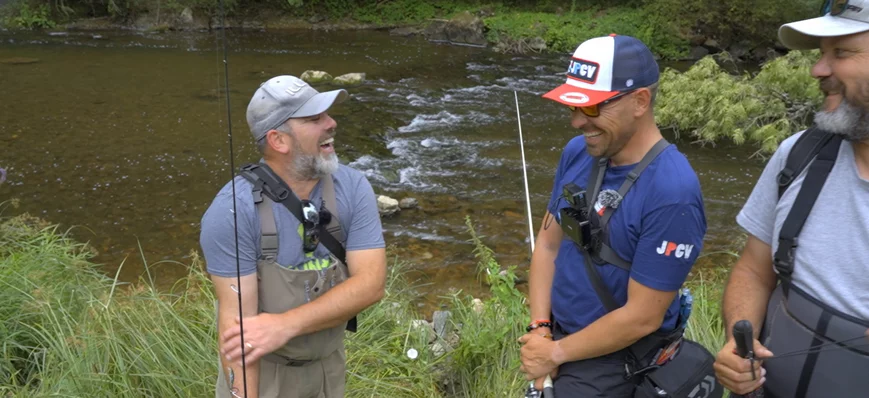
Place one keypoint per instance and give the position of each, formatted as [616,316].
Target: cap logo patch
[574,98]
[295,87]
[583,70]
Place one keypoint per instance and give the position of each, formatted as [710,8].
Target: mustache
[829,84]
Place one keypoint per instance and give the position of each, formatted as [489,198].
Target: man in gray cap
[299,289]
[802,278]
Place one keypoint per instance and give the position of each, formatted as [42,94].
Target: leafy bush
[710,104]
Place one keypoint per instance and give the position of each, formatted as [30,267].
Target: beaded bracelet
[538,324]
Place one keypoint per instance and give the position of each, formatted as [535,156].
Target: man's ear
[642,101]
[278,141]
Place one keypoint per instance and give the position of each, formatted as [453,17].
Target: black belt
[286,361]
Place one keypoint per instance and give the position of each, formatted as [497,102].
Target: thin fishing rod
[547,384]
[525,175]
[231,376]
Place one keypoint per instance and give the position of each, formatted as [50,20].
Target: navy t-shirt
[658,227]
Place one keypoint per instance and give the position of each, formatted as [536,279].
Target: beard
[312,166]
[848,119]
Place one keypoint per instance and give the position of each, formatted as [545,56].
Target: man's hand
[263,334]
[734,372]
[536,355]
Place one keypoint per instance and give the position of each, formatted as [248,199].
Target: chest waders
[664,363]
[311,365]
[796,321]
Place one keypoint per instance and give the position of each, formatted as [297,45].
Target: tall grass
[69,330]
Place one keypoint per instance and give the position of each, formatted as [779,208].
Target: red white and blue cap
[603,67]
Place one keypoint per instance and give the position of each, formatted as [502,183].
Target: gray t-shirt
[832,259]
[357,211]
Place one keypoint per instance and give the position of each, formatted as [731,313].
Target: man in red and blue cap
[623,228]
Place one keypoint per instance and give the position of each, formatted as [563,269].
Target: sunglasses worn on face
[594,110]
[834,7]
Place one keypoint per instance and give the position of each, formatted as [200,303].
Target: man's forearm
[610,333]
[234,377]
[745,297]
[540,283]
[336,306]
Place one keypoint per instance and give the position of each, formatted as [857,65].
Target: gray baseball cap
[285,97]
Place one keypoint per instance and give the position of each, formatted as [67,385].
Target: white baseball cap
[842,18]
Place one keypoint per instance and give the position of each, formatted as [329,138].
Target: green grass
[69,330]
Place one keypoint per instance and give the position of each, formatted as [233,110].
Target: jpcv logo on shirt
[677,249]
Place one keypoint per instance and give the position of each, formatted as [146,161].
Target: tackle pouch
[689,374]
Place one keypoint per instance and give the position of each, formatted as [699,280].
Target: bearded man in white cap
[303,235]
[802,280]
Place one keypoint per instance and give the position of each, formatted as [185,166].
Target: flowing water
[123,136]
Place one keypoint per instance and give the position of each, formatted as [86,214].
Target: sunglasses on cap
[594,110]
[834,7]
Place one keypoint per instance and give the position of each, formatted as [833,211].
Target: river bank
[71,330]
[510,27]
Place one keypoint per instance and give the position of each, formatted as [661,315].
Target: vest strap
[268,229]
[815,178]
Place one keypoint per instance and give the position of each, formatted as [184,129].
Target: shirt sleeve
[217,238]
[555,199]
[669,244]
[365,230]
[757,216]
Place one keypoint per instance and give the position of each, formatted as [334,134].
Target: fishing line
[817,348]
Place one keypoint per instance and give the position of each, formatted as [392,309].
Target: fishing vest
[679,367]
[282,288]
[837,360]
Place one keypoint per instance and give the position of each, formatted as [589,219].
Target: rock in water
[387,206]
[408,203]
[349,79]
[315,76]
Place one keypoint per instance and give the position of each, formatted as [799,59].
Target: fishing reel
[574,219]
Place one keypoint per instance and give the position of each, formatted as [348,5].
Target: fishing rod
[531,392]
[237,289]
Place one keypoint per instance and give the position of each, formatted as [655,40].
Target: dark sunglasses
[594,110]
[311,234]
[834,7]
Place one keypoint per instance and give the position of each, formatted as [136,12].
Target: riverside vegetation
[70,330]
[670,27]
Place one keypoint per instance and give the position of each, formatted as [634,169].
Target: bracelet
[538,324]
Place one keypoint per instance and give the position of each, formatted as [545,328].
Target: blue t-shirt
[658,227]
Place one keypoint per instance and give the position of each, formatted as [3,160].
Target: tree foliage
[711,104]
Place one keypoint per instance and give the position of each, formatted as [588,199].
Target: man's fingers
[230,334]
[760,351]
[524,338]
[725,372]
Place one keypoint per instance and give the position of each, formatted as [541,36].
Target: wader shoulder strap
[803,151]
[269,230]
[811,188]
[606,252]
[334,226]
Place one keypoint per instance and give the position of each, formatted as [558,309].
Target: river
[122,137]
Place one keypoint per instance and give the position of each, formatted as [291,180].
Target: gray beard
[848,120]
[312,167]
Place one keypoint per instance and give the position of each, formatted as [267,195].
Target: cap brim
[807,34]
[574,96]
[321,103]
